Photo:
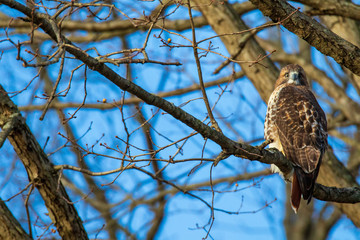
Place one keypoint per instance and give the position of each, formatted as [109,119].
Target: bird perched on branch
[296,125]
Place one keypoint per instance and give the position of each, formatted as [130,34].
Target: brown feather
[295,194]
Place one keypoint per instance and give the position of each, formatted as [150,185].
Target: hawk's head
[292,74]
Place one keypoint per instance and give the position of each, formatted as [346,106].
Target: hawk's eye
[287,74]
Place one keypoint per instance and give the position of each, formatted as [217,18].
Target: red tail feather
[295,194]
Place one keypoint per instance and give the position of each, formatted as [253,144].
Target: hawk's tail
[295,193]
[302,184]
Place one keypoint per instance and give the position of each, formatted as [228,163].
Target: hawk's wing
[302,129]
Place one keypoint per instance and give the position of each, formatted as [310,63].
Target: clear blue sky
[240,105]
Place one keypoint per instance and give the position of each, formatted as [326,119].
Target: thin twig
[214,124]
[27,208]
[88,172]
[52,94]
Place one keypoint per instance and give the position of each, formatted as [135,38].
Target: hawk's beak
[294,78]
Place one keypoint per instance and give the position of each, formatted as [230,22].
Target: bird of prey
[296,125]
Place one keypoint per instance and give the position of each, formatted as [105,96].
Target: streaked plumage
[296,125]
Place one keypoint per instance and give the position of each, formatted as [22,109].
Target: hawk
[296,125]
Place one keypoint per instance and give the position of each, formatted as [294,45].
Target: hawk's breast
[270,129]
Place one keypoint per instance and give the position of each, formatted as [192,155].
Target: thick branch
[334,173]
[40,171]
[10,228]
[333,7]
[334,194]
[313,32]
[7,128]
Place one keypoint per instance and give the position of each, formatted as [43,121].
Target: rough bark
[348,29]
[10,228]
[320,37]
[41,173]
[333,7]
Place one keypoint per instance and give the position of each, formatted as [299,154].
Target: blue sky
[240,105]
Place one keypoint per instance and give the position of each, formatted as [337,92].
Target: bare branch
[214,124]
[334,194]
[40,171]
[330,44]
[333,7]
[10,228]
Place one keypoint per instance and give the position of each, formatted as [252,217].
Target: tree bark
[10,228]
[41,172]
[320,37]
[348,29]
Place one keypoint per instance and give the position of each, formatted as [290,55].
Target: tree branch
[327,42]
[10,228]
[40,171]
[333,7]
[7,128]
[339,195]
